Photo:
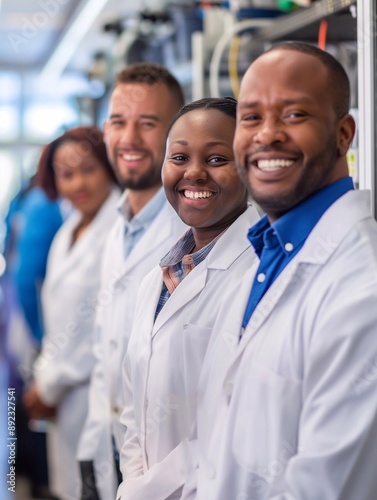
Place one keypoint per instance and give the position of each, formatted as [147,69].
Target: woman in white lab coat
[174,316]
[75,166]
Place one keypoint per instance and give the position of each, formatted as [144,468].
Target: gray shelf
[302,24]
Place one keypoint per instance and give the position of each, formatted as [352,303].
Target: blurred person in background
[75,167]
[31,224]
[4,378]
[27,245]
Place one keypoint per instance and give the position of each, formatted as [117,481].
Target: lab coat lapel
[231,324]
[193,285]
[319,247]
[285,283]
[156,234]
[150,300]
[262,312]
[226,250]
[73,257]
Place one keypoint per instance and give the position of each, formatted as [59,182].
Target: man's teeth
[132,157]
[275,164]
[195,195]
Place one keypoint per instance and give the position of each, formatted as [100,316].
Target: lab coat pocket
[266,421]
[195,341]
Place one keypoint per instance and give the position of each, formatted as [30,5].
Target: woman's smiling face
[199,173]
[81,177]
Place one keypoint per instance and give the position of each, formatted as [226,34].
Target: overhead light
[71,39]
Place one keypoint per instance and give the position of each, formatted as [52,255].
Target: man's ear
[346,133]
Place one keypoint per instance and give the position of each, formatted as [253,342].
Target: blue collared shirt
[136,226]
[276,244]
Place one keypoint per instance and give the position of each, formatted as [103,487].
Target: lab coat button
[116,411]
[113,344]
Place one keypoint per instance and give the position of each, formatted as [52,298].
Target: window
[8,123]
[43,121]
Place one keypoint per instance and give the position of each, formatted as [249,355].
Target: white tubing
[221,46]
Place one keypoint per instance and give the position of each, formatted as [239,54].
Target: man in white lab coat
[287,405]
[145,98]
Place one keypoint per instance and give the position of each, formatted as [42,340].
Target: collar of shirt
[133,224]
[180,252]
[178,262]
[292,229]
[277,244]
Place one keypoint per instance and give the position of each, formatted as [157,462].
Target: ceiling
[31,31]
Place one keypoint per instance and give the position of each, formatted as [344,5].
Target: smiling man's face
[287,134]
[135,133]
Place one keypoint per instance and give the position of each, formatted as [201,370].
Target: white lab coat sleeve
[131,458]
[338,425]
[54,376]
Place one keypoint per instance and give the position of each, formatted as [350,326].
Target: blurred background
[58,59]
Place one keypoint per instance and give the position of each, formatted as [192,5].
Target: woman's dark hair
[91,141]
[227,105]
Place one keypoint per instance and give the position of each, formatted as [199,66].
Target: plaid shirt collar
[179,262]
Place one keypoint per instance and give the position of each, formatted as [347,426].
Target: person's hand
[35,406]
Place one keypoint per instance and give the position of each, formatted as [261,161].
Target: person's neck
[138,199]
